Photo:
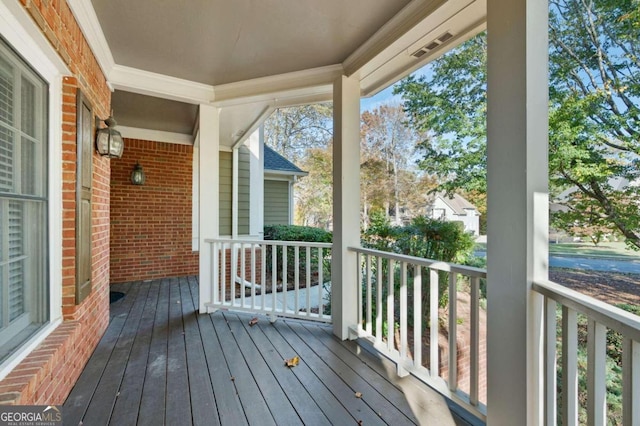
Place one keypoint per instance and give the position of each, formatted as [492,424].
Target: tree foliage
[594,118]
[292,131]
[314,193]
[448,107]
[389,181]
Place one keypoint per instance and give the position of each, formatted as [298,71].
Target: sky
[385,96]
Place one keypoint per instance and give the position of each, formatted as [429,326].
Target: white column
[256,167]
[209,186]
[517,209]
[195,196]
[346,203]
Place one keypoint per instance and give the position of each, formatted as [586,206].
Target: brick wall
[47,375]
[151,224]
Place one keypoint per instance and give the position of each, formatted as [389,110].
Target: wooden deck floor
[160,362]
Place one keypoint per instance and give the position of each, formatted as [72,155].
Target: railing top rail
[612,317]
[428,263]
[267,242]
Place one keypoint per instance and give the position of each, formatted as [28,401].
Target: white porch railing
[402,293]
[582,332]
[276,278]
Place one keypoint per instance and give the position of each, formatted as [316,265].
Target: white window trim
[20,31]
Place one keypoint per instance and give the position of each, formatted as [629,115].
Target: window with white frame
[23,201]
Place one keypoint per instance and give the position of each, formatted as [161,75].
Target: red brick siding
[151,227]
[47,375]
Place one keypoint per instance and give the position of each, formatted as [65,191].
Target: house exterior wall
[151,224]
[47,374]
[470,221]
[244,190]
[276,202]
[226,191]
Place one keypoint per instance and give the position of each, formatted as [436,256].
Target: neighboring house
[279,176]
[456,209]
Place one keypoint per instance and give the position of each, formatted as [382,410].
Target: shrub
[423,237]
[300,234]
[296,233]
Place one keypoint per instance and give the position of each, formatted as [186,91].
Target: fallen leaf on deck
[358,394]
[292,362]
[253,322]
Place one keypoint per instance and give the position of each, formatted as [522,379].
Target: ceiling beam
[156,135]
[266,112]
[159,85]
[277,83]
[410,16]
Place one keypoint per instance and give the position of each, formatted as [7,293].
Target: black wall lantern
[137,175]
[109,141]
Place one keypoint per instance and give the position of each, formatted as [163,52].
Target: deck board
[78,400]
[374,379]
[226,396]
[299,397]
[104,398]
[127,404]
[253,403]
[178,407]
[324,398]
[160,362]
[279,404]
[344,391]
[202,399]
[152,401]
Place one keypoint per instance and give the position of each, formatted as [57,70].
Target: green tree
[292,131]
[314,196]
[594,119]
[387,146]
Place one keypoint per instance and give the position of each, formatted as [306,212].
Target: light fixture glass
[109,141]
[137,175]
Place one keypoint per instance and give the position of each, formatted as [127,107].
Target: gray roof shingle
[276,162]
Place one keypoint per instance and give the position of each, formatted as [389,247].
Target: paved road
[590,263]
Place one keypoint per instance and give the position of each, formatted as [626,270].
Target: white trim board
[162,86]
[155,135]
[88,21]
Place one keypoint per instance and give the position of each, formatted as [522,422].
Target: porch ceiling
[221,41]
[250,57]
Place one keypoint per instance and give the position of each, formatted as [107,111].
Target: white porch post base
[208,179]
[346,205]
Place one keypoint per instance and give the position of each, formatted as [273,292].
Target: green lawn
[610,249]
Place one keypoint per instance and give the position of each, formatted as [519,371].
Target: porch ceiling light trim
[137,175]
[109,141]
